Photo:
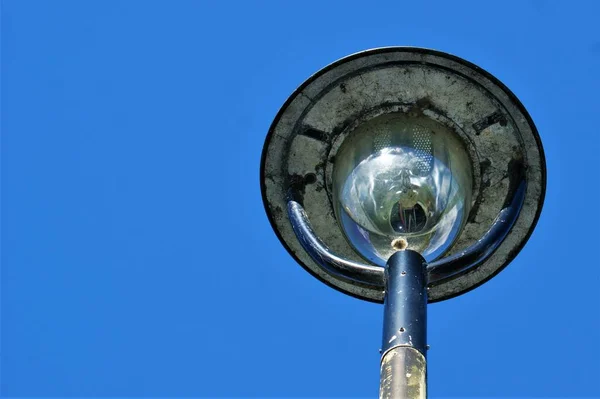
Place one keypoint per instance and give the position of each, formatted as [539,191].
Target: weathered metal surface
[405,303]
[300,150]
[403,374]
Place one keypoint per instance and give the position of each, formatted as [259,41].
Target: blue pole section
[404,346]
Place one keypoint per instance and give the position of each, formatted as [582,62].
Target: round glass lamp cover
[401,181]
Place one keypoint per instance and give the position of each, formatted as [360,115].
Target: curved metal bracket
[437,272]
[472,257]
[324,257]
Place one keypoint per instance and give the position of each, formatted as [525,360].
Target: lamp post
[403,176]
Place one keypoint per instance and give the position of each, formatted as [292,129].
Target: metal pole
[403,361]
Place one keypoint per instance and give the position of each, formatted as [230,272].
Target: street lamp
[403,176]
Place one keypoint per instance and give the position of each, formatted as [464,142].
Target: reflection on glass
[401,179]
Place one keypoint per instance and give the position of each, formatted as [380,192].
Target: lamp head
[403,148]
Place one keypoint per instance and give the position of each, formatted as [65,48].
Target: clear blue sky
[137,259]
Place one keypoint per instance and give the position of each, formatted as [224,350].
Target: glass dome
[401,182]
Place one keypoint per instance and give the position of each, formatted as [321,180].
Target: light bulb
[401,182]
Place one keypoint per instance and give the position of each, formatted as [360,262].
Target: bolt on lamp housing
[403,148]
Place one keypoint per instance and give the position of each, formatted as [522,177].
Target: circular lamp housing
[398,148]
